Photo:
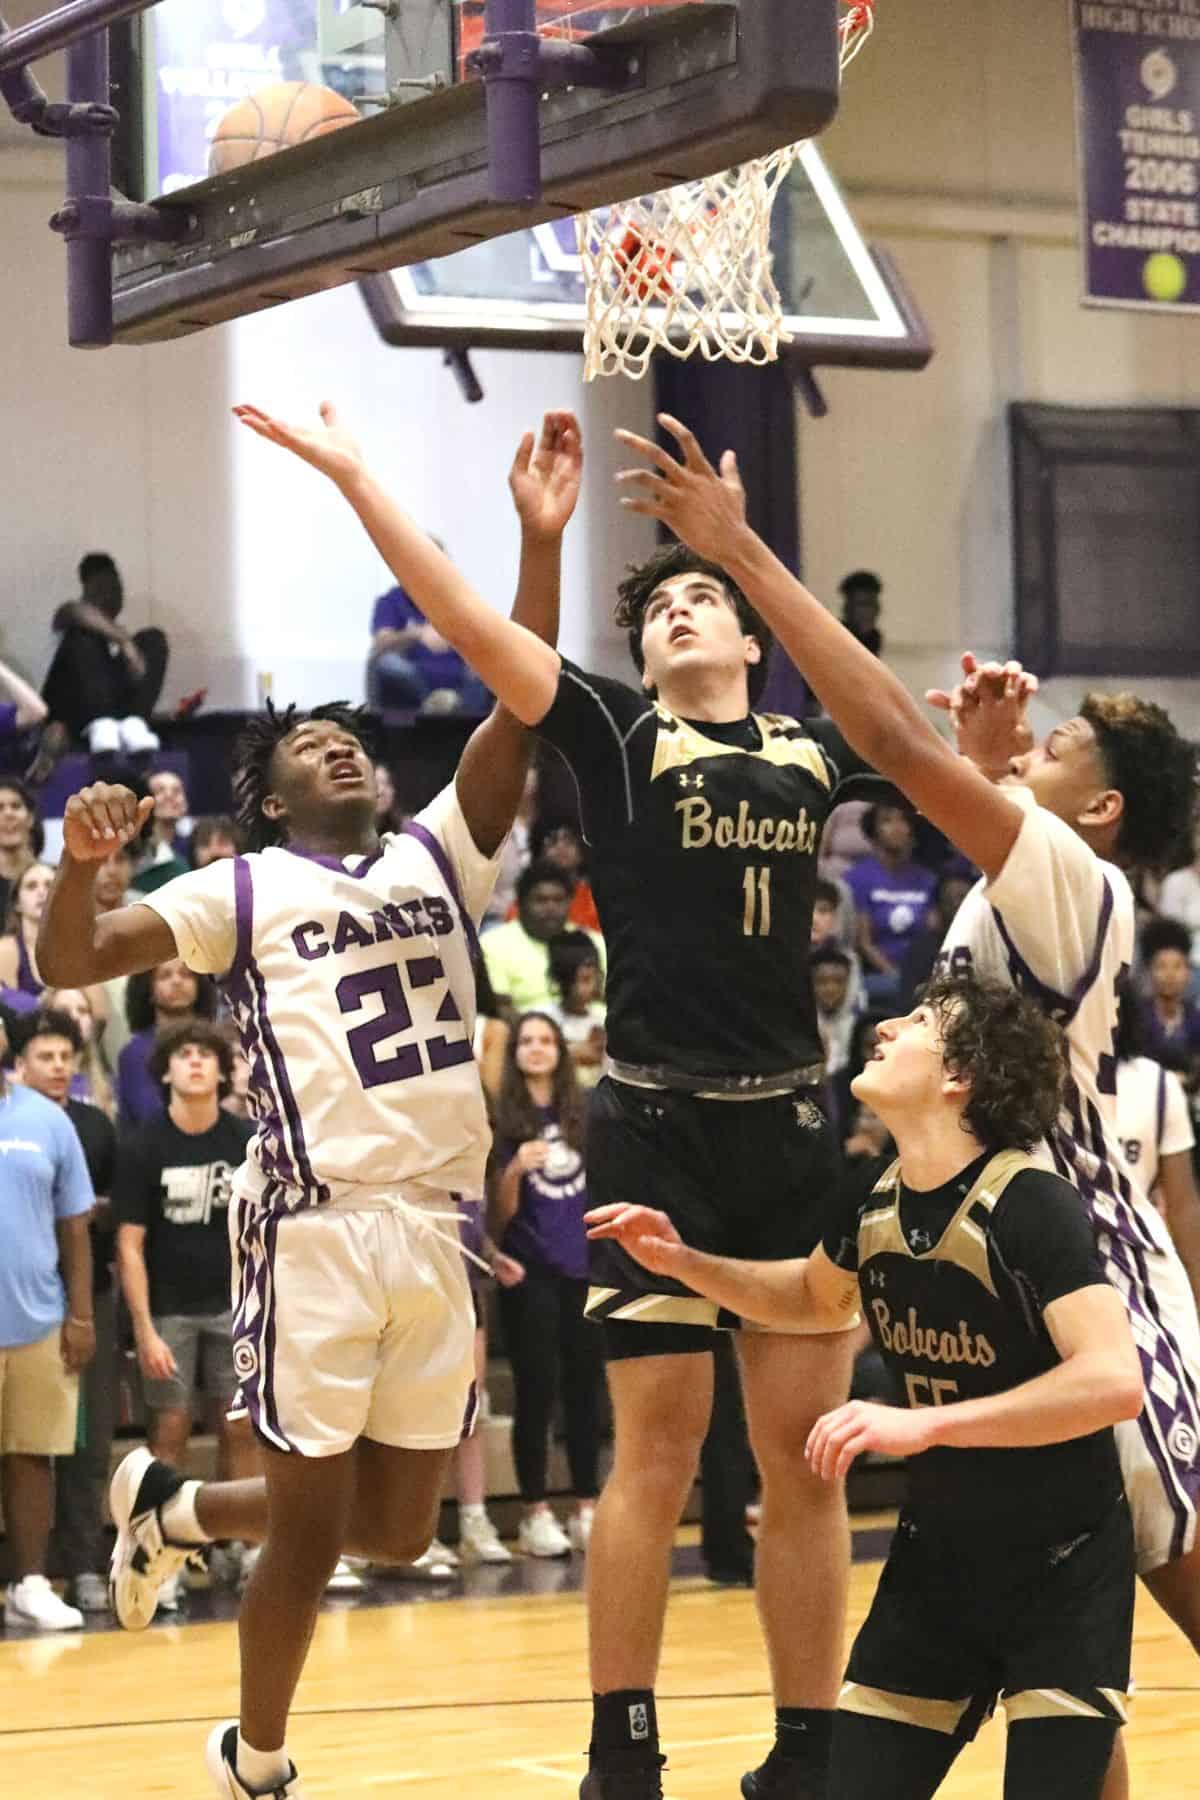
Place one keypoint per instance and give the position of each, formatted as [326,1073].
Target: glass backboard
[842,301]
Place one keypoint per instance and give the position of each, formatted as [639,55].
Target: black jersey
[704,845]
[954,1284]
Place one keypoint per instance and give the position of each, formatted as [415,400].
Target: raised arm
[76,945]
[544,481]
[805,1293]
[879,718]
[31,708]
[518,667]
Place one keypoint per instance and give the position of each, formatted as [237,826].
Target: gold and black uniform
[1011,1574]
[704,841]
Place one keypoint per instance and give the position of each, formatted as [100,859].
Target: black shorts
[748,1178]
[1048,1631]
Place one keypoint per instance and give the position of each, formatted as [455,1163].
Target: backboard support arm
[91,219]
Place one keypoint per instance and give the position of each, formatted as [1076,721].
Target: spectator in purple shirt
[536,1205]
[411,666]
[1170,1021]
[161,996]
[892,896]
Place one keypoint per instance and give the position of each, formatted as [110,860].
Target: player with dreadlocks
[347,961]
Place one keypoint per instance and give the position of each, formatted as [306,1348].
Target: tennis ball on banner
[1165,277]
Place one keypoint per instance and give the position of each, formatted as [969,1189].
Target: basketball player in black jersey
[704,822]
[1011,1574]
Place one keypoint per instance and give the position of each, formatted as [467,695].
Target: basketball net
[690,268]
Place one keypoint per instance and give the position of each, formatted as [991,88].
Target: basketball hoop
[690,268]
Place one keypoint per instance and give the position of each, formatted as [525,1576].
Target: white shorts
[352,1320]
[1160,1449]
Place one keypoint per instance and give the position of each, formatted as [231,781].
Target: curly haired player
[1011,1574]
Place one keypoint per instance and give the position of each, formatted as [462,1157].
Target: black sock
[624,1726]
[804,1735]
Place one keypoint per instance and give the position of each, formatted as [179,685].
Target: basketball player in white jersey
[347,961]
[1053,914]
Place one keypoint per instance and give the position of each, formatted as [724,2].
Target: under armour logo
[920,1240]
[876,1278]
[696,781]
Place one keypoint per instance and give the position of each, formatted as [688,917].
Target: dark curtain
[751,411]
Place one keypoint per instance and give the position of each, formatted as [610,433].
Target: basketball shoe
[640,1782]
[220,1759]
[143,1560]
[782,1778]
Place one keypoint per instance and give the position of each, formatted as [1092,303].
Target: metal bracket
[91,219]
[517,67]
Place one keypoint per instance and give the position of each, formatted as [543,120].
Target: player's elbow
[1124,1389]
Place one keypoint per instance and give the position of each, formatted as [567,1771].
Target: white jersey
[353,990]
[1058,922]
[1152,1117]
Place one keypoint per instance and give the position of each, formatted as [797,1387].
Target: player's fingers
[938,698]
[731,475]
[645,481]
[654,453]
[329,415]
[850,1450]
[693,455]
[1029,685]
[599,1215]
[969,665]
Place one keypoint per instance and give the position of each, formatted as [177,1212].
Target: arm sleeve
[1176,1133]
[1045,1239]
[72,1184]
[134,1183]
[199,908]
[1052,902]
[599,727]
[839,1239]
[474,872]
[846,764]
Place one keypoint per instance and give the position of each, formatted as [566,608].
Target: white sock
[475,1511]
[261,1769]
[178,1514]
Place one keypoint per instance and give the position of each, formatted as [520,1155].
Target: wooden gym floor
[479,1694]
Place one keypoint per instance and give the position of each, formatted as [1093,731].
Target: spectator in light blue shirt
[47,1332]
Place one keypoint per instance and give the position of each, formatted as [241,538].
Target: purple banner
[208,55]
[1138,97]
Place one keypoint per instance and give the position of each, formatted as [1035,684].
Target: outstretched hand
[839,1437]
[648,1236]
[99,819]
[988,709]
[545,476]
[328,448]
[703,506]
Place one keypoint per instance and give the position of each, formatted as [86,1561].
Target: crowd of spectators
[134,1092]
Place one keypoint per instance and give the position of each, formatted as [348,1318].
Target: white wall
[956,145]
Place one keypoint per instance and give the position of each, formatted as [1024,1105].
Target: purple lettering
[349,931]
[310,953]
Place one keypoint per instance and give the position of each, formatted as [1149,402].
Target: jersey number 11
[756,897]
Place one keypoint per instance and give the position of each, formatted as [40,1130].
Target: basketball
[277,118]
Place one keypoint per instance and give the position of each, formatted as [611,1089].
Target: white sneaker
[137,739]
[439,1563]
[579,1529]
[542,1535]
[344,1579]
[479,1541]
[103,737]
[142,1560]
[33,1604]
[220,1759]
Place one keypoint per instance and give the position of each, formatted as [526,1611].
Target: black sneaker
[781,1778]
[220,1758]
[142,1559]
[642,1782]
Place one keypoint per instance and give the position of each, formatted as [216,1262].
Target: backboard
[704,84]
[844,302]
